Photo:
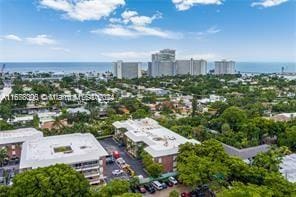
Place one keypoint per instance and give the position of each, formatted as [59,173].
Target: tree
[154,169]
[199,164]
[5,126]
[140,113]
[225,128]
[57,180]
[174,193]
[134,181]
[4,191]
[194,105]
[36,121]
[114,188]
[3,155]
[270,160]
[250,190]
[58,123]
[5,110]
[129,195]
[234,116]
[289,138]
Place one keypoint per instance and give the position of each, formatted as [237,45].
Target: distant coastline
[101,67]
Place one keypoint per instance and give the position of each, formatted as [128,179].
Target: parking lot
[166,192]
[110,145]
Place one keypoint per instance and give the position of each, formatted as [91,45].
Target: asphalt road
[110,145]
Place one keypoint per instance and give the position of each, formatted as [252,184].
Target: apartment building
[127,70]
[224,67]
[81,151]
[190,67]
[13,140]
[146,134]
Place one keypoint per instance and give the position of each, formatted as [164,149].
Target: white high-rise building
[183,67]
[163,63]
[224,67]
[191,67]
[127,70]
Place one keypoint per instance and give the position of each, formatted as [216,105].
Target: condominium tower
[162,63]
[191,67]
[127,70]
[224,67]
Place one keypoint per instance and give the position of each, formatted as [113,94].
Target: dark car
[149,188]
[141,189]
[168,183]
[109,160]
[164,185]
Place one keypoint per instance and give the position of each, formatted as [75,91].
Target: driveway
[110,145]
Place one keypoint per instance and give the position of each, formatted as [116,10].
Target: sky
[109,30]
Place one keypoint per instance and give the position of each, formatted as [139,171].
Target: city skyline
[62,30]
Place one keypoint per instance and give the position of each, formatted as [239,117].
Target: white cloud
[205,56]
[137,31]
[268,3]
[134,18]
[116,30]
[12,37]
[83,10]
[129,55]
[60,49]
[133,25]
[182,5]
[202,34]
[41,40]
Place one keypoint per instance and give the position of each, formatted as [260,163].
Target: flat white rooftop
[288,167]
[68,149]
[19,135]
[160,141]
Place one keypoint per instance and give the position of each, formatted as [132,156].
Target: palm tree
[58,124]
[3,155]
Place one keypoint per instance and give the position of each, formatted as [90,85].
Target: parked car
[120,162]
[116,154]
[173,180]
[168,183]
[109,160]
[157,185]
[141,188]
[164,185]
[149,188]
[117,172]
[185,194]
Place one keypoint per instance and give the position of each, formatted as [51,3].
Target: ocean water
[100,67]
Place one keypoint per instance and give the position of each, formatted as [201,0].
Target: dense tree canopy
[57,180]
[208,163]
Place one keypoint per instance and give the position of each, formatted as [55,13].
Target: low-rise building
[288,167]
[81,151]
[246,154]
[146,134]
[157,91]
[283,117]
[14,139]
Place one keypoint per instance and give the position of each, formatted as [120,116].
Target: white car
[173,180]
[117,172]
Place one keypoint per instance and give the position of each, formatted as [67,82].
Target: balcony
[87,167]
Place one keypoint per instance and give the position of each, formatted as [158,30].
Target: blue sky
[107,30]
